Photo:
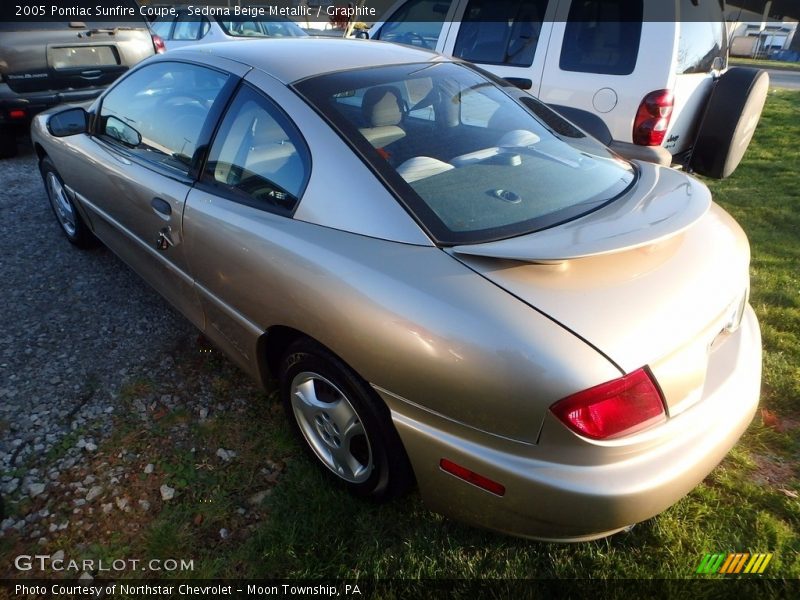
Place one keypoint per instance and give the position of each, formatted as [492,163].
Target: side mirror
[71,121]
[122,132]
[361,34]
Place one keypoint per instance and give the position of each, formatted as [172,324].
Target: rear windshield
[470,162]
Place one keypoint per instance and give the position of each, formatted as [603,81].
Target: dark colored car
[43,64]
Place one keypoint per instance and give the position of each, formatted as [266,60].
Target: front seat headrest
[382,106]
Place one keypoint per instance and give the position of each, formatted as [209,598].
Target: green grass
[308,528]
[763,63]
[763,196]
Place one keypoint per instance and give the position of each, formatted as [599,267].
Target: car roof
[292,59]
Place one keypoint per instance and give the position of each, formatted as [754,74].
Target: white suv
[647,77]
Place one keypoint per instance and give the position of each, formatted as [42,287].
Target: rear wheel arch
[271,347]
[273,344]
[280,344]
[343,425]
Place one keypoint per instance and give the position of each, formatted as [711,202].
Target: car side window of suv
[157,113]
[702,37]
[417,23]
[602,36]
[163,27]
[188,28]
[258,157]
[500,33]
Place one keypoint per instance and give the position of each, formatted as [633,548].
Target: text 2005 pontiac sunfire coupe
[453,284]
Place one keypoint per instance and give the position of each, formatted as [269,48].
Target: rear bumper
[35,103]
[554,492]
[654,154]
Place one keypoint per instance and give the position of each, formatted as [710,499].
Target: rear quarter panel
[409,319]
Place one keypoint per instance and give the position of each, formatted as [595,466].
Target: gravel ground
[78,326]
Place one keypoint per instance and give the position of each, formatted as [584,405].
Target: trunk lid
[650,279]
[39,57]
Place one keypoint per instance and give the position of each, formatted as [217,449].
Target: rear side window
[158,112]
[702,37]
[417,23]
[258,155]
[189,28]
[602,36]
[162,28]
[500,33]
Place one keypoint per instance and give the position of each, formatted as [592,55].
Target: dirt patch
[773,471]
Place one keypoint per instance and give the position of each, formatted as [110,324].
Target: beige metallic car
[452,284]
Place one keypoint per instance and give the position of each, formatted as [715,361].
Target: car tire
[342,423]
[67,215]
[730,120]
[8,143]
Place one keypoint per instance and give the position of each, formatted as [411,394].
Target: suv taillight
[652,118]
[159,44]
[613,409]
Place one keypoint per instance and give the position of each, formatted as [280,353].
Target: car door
[508,37]
[239,213]
[421,23]
[149,130]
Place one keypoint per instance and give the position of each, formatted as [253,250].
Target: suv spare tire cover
[732,114]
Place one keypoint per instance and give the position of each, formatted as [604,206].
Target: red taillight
[652,118]
[472,477]
[159,44]
[16,113]
[613,409]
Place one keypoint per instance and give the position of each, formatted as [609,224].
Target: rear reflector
[472,477]
[613,409]
[652,118]
[16,113]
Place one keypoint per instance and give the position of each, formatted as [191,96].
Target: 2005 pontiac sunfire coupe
[451,283]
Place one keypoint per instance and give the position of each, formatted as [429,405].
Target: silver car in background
[186,29]
[451,283]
